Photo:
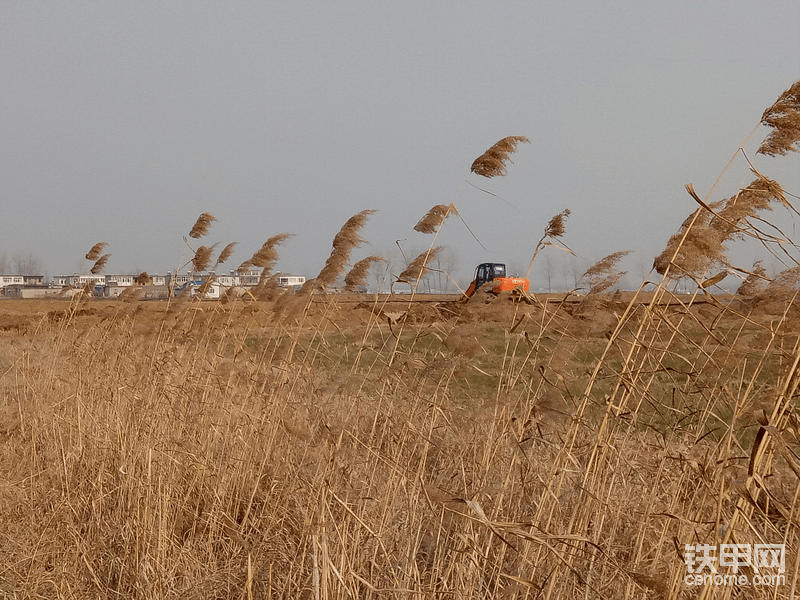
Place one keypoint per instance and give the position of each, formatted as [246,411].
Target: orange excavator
[496,274]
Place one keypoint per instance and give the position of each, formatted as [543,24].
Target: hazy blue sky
[123,121]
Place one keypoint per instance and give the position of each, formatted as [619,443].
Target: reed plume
[226,253]
[202,225]
[266,257]
[492,163]
[556,227]
[603,274]
[435,218]
[701,242]
[755,282]
[418,267]
[785,285]
[358,274]
[144,279]
[202,258]
[96,251]
[784,118]
[100,264]
[344,243]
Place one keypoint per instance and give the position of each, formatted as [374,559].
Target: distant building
[79,280]
[248,278]
[291,281]
[7,281]
[32,291]
[11,280]
[119,280]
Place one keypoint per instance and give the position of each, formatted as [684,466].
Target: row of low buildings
[156,286]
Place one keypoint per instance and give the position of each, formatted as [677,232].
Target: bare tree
[549,270]
[27,263]
[4,264]
[444,264]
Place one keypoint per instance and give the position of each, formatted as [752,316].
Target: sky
[123,121]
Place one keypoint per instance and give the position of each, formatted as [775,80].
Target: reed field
[291,445]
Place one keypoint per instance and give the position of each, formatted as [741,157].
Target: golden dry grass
[198,450]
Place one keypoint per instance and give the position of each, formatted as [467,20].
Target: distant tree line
[20,263]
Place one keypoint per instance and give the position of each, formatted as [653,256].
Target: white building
[80,281]
[11,280]
[291,281]
[119,280]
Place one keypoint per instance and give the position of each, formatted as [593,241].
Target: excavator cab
[488,272]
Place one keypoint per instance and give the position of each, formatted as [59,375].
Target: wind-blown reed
[492,163]
[96,251]
[435,218]
[202,225]
[784,118]
[604,274]
[701,242]
[357,276]
[344,243]
[202,258]
[100,264]
[418,267]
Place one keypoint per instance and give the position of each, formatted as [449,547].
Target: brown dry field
[342,448]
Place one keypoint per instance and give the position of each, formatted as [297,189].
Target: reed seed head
[701,242]
[555,228]
[492,163]
[344,242]
[784,118]
[755,282]
[418,267]
[202,225]
[96,251]
[226,253]
[202,258]
[358,274]
[267,256]
[100,264]
[435,218]
[603,274]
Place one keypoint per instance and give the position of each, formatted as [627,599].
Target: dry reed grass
[492,163]
[418,267]
[344,242]
[784,118]
[226,253]
[357,276]
[202,225]
[604,275]
[100,264]
[701,243]
[435,218]
[556,228]
[201,260]
[96,251]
